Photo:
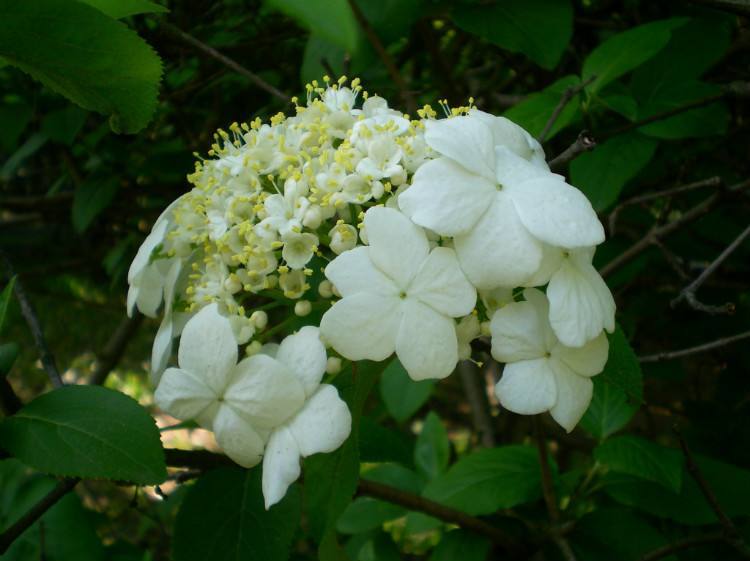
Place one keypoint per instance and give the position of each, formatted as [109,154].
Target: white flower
[541,373]
[382,160]
[298,248]
[322,424]
[147,278]
[497,205]
[398,296]
[242,403]
[284,213]
[343,238]
[467,330]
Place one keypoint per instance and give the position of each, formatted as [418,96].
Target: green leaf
[432,451]
[639,457]
[63,125]
[602,173]
[87,431]
[319,50]
[26,150]
[123,8]
[535,110]
[396,476]
[488,480]
[8,356]
[365,514]
[15,117]
[401,395]
[391,19]
[626,51]
[381,444]
[91,198]
[540,29]
[459,544]
[223,518]
[623,369]
[331,20]
[6,297]
[93,60]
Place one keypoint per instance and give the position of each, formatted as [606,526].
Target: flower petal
[150,289]
[499,251]
[517,333]
[556,212]
[239,440]
[504,133]
[573,396]
[263,391]
[143,256]
[552,258]
[208,348]
[513,169]
[353,272]
[305,356]
[280,465]
[441,284]
[362,326]
[183,394]
[397,245]
[581,305]
[426,345]
[527,387]
[445,198]
[588,360]
[465,140]
[323,424]
[161,350]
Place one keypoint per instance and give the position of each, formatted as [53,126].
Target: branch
[385,58]
[669,355]
[660,232]
[569,93]
[584,143]
[114,349]
[225,60]
[37,511]
[731,534]
[473,382]
[688,293]
[687,543]
[48,360]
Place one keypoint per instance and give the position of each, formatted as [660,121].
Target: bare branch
[584,143]
[476,395]
[567,95]
[669,355]
[688,293]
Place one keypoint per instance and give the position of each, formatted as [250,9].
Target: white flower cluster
[400,224]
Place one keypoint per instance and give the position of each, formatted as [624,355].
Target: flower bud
[343,238]
[259,319]
[333,365]
[253,348]
[302,308]
[325,289]
[313,217]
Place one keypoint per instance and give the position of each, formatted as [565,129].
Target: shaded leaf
[123,8]
[331,20]
[432,450]
[401,395]
[637,456]
[91,198]
[535,110]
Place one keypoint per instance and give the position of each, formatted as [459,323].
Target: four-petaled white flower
[397,295]
[498,205]
[541,374]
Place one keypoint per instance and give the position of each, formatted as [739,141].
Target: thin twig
[473,384]
[225,60]
[669,355]
[385,58]
[36,512]
[48,360]
[569,93]
[731,534]
[583,143]
[688,293]
[687,543]
[115,347]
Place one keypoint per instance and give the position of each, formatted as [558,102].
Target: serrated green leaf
[432,450]
[331,20]
[626,51]
[536,109]
[488,480]
[540,29]
[93,60]
[637,456]
[6,297]
[401,395]
[602,173]
[123,8]
[459,544]
[87,431]
[623,370]
[609,410]
[223,518]
[91,198]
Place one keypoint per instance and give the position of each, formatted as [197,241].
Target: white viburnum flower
[322,424]
[397,295]
[541,374]
[241,402]
[298,248]
[498,206]
[146,278]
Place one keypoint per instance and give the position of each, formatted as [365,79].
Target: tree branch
[29,314]
[476,395]
[584,143]
[36,512]
[225,60]
[688,293]
[115,347]
[669,355]
[569,93]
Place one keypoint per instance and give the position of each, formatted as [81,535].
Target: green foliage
[89,58]
[86,431]
[488,480]
[533,112]
[459,544]
[223,518]
[6,297]
[432,450]
[332,20]
[8,355]
[642,458]
[91,198]
[365,514]
[401,395]
[540,29]
[123,8]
